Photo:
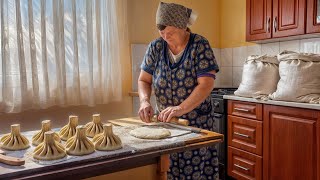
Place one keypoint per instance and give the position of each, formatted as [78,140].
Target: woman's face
[171,34]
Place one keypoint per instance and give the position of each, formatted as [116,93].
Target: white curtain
[60,52]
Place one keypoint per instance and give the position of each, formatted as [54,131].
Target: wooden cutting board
[205,134]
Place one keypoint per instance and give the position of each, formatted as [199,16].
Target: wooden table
[97,167]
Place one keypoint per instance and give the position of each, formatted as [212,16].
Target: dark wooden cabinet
[313,16]
[258,19]
[283,144]
[273,20]
[245,134]
[291,148]
[288,18]
[245,109]
[244,165]
[245,140]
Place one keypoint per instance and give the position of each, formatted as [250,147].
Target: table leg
[163,166]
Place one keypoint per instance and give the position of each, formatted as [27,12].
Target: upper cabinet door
[313,16]
[288,17]
[258,19]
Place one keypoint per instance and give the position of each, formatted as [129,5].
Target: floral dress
[173,82]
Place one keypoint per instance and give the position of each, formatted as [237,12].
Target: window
[60,52]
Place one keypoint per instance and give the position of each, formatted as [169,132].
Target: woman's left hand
[170,112]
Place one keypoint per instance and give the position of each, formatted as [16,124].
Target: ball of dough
[107,141]
[49,149]
[150,133]
[14,140]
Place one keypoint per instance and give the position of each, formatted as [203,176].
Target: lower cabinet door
[291,143]
[244,165]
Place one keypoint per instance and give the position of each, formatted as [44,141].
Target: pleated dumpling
[14,140]
[107,141]
[49,149]
[69,130]
[39,136]
[79,144]
[95,126]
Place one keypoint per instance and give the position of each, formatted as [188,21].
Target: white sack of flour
[259,77]
[299,77]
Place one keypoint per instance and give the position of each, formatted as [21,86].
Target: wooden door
[288,17]
[291,148]
[313,16]
[258,20]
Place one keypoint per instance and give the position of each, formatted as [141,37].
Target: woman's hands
[170,112]
[144,89]
[145,111]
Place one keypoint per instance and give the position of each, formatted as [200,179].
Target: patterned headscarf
[171,14]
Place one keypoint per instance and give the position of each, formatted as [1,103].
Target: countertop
[279,103]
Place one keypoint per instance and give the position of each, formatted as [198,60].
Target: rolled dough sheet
[150,132]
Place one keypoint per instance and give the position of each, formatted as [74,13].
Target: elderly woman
[181,67]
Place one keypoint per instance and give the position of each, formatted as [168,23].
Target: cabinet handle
[275,24]
[268,24]
[241,167]
[240,109]
[239,134]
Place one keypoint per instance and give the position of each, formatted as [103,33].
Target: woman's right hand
[145,111]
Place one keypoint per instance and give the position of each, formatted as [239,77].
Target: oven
[220,116]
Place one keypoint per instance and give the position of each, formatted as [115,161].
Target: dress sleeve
[206,61]
[148,63]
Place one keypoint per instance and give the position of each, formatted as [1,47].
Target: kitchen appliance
[220,115]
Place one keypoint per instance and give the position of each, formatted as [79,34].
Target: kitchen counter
[135,153]
[280,103]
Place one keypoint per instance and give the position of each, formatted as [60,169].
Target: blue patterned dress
[173,83]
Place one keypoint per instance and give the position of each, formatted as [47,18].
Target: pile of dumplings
[77,139]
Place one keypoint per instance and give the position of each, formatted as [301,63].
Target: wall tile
[290,46]
[217,55]
[239,55]
[254,50]
[237,76]
[224,77]
[226,57]
[310,45]
[137,54]
[270,48]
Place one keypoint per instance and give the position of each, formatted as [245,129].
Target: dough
[39,136]
[79,144]
[95,127]
[49,149]
[150,133]
[107,141]
[69,130]
[14,140]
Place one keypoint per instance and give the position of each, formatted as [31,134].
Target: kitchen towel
[299,77]
[259,77]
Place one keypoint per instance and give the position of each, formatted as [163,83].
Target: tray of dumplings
[74,142]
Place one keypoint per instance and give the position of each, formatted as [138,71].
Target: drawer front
[245,109]
[245,134]
[243,165]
